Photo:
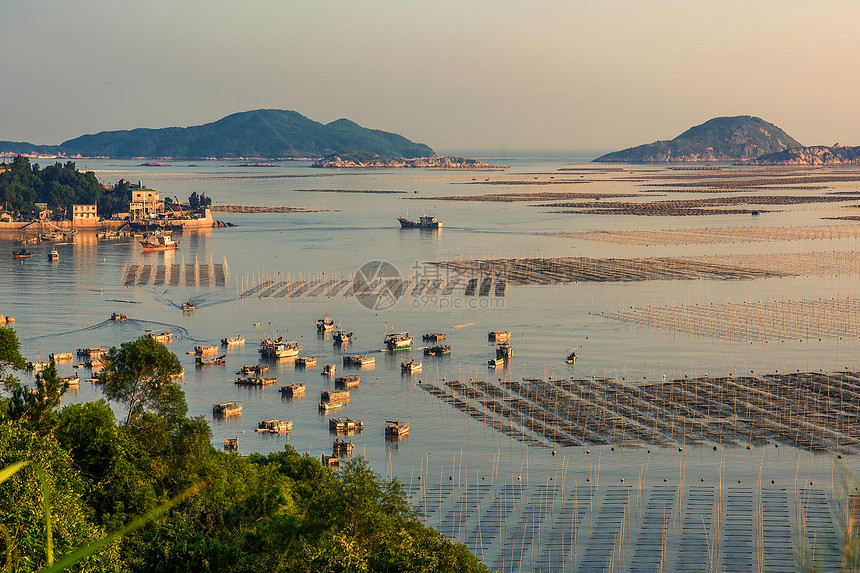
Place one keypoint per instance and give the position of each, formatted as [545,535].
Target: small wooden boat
[396,429]
[231,444]
[504,351]
[424,222]
[72,381]
[205,361]
[255,381]
[22,254]
[255,369]
[237,340]
[94,364]
[225,409]
[330,462]
[94,352]
[433,337]
[335,396]
[359,360]
[188,307]
[306,361]
[205,349]
[499,336]
[345,425]
[54,255]
[328,370]
[439,350]
[345,382]
[279,349]
[325,324]
[117,317]
[571,356]
[275,426]
[60,356]
[411,366]
[293,390]
[496,362]
[326,406]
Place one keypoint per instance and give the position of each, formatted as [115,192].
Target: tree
[10,353]
[193,200]
[140,375]
[34,406]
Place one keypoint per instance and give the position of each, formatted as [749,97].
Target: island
[355,159]
[813,155]
[739,138]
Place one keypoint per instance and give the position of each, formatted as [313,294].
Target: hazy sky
[465,75]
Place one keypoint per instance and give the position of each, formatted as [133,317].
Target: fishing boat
[342,447]
[37,365]
[396,429]
[162,337]
[411,366]
[234,341]
[306,361]
[279,349]
[433,336]
[335,396]
[424,222]
[345,425]
[330,462]
[205,349]
[293,390]
[73,381]
[342,337]
[275,426]
[571,356]
[117,317]
[398,341]
[326,406]
[504,351]
[22,254]
[345,382]
[159,241]
[496,362]
[61,356]
[225,409]
[94,352]
[188,307]
[206,361]
[499,336]
[328,370]
[256,369]
[325,324]
[54,255]
[440,350]
[255,381]
[359,360]
[231,444]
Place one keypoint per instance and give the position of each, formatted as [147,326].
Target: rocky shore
[350,161]
[813,155]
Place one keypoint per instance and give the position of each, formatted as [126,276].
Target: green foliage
[10,353]
[34,406]
[140,375]
[58,185]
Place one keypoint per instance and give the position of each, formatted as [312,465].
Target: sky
[491,76]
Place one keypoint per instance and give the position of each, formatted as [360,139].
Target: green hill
[720,139]
[264,133]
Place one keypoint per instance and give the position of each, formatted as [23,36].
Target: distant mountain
[263,133]
[814,155]
[720,139]
[24,148]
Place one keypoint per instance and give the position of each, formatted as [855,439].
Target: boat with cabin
[159,241]
[345,382]
[504,351]
[424,222]
[328,370]
[117,317]
[275,426]
[54,255]
[61,356]
[270,348]
[359,360]
[411,366]
[162,337]
[496,362]
[203,350]
[342,447]
[398,341]
[255,369]
[396,429]
[226,409]
[433,337]
[188,306]
[345,425]
[499,336]
[439,350]
[342,337]
[325,324]
[207,361]
[335,396]
[237,340]
[326,406]
[259,381]
[306,361]
[293,390]
[22,254]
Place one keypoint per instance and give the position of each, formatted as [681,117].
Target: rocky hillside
[720,139]
[262,133]
[814,155]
